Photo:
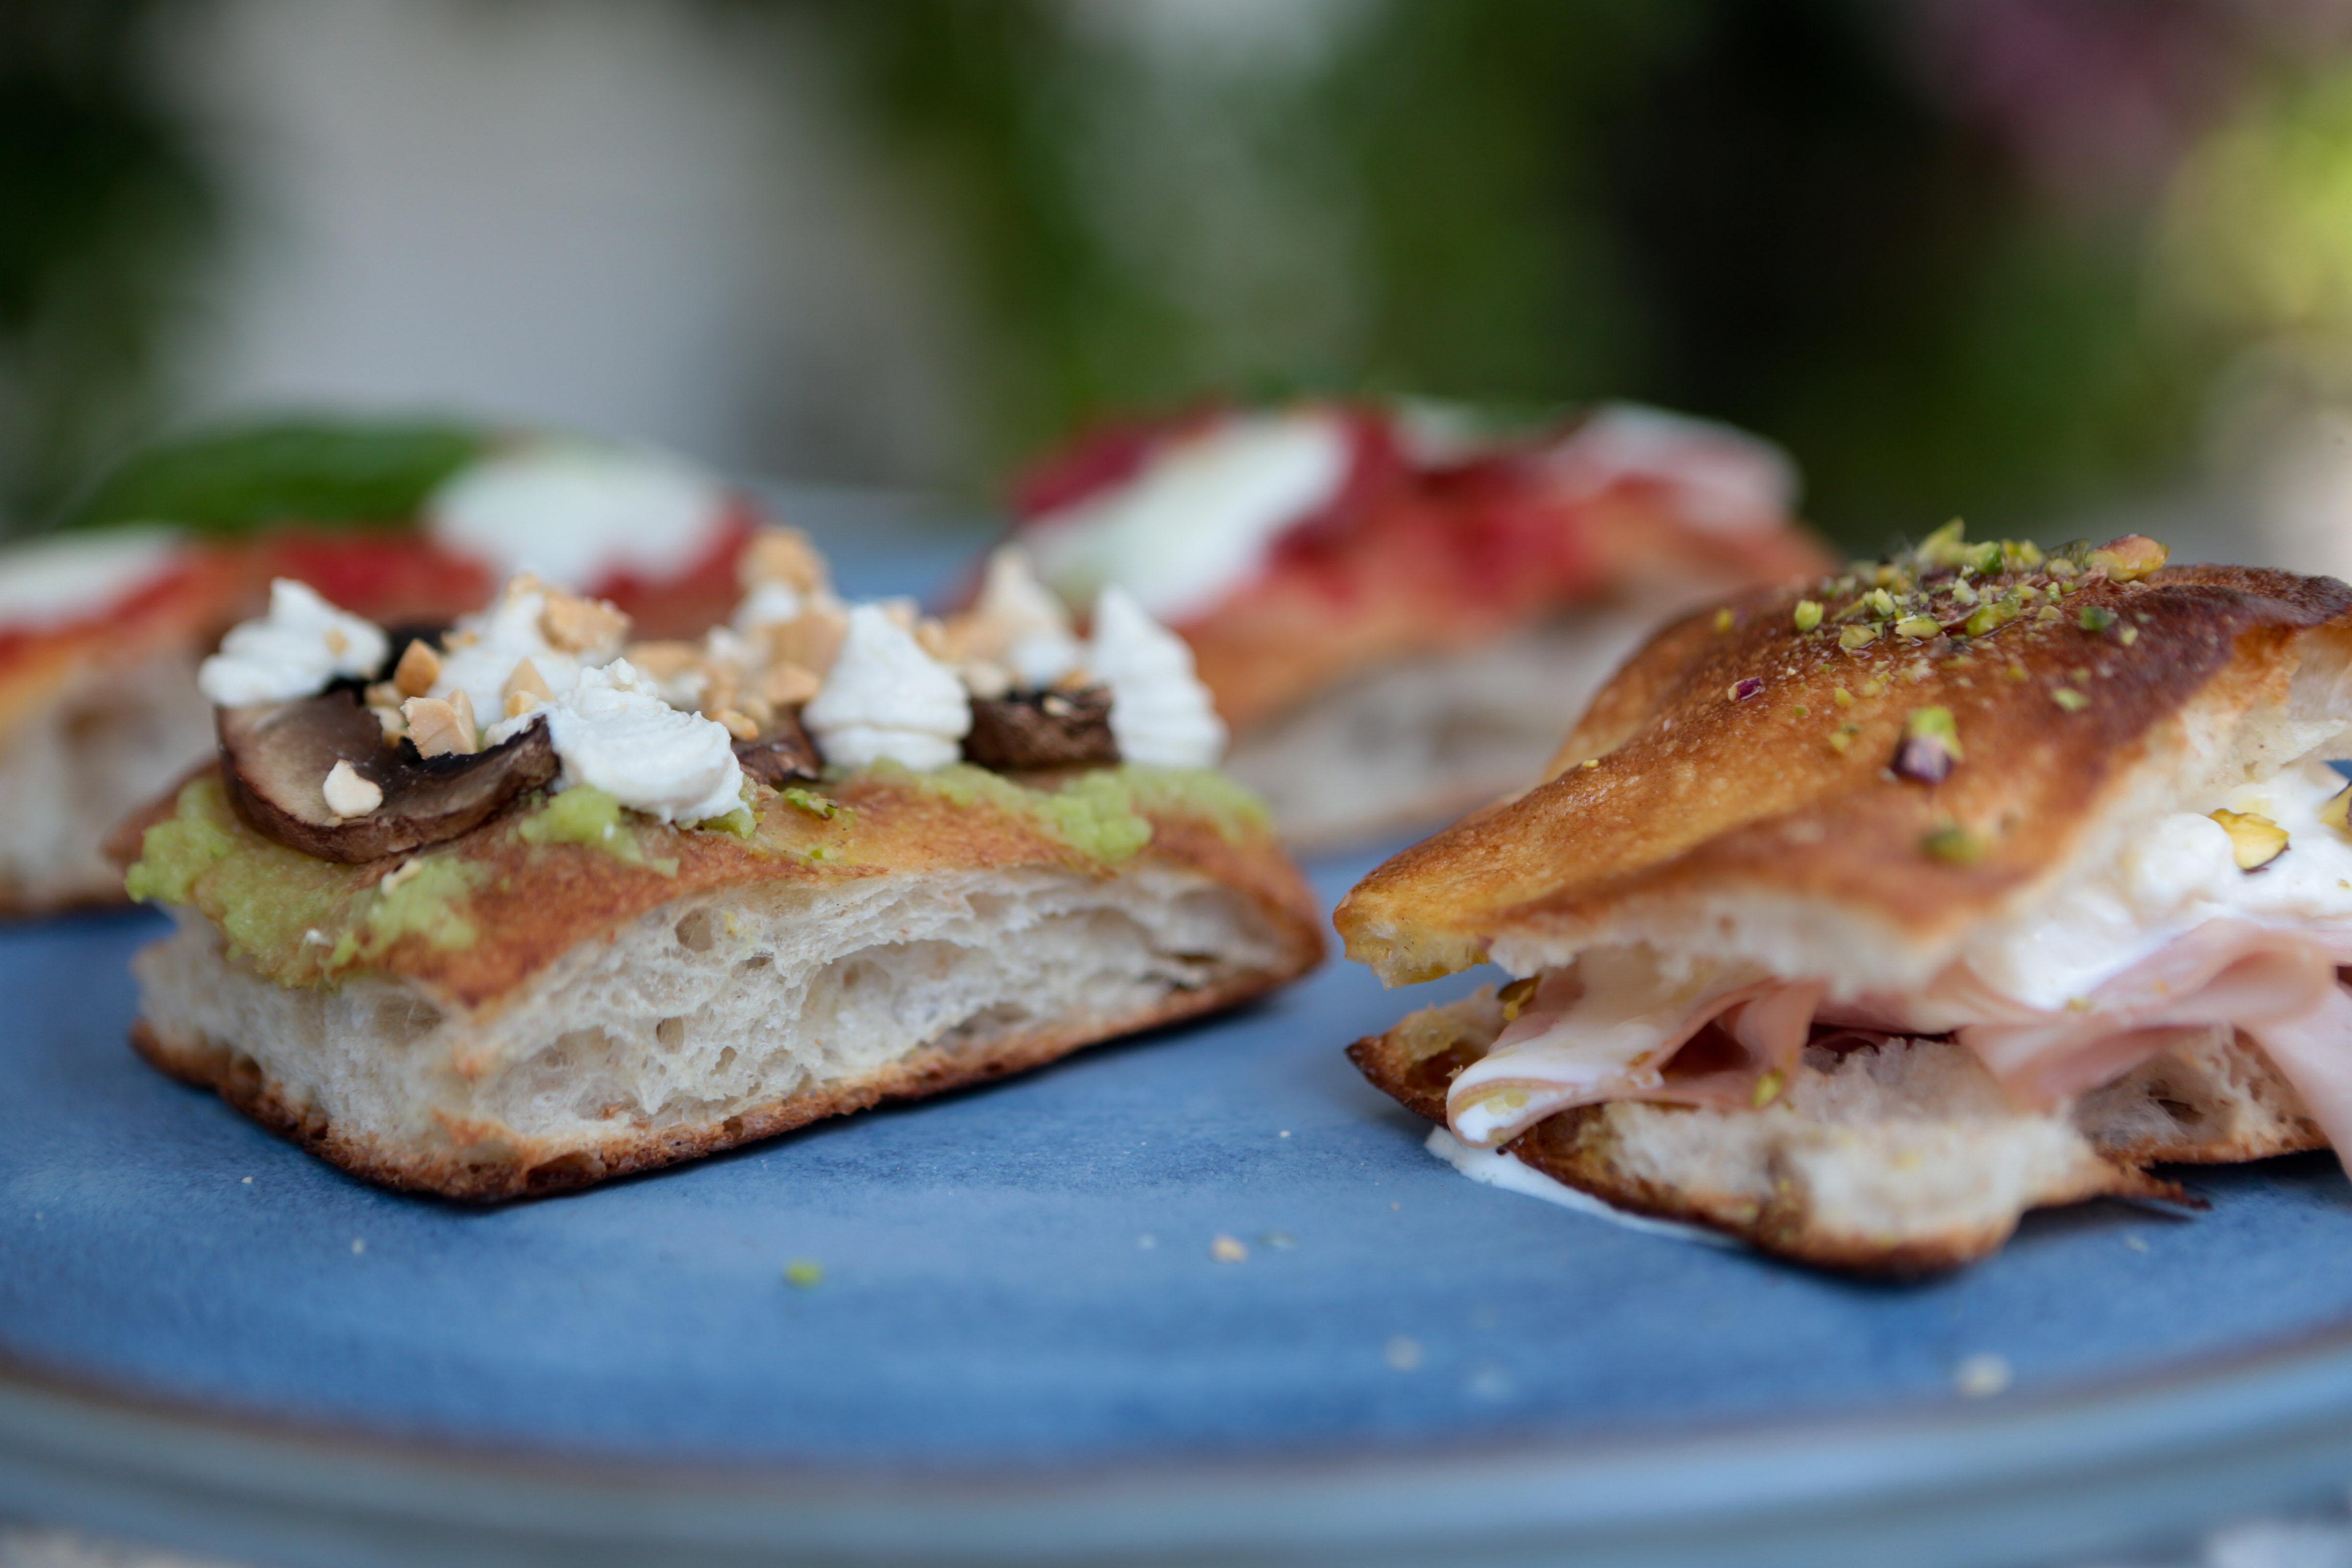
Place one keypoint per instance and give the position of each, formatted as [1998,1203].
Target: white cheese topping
[1197,521]
[2175,875]
[614,732]
[1492,1168]
[576,511]
[1161,714]
[52,581]
[509,631]
[770,604]
[294,651]
[885,698]
[1028,622]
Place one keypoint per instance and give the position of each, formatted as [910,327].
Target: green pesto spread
[1101,814]
[298,918]
[586,816]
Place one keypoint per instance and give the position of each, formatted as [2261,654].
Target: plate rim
[2111,1460]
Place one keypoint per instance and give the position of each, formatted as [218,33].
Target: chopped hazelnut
[783,556]
[664,660]
[788,684]
[418,669]
[526,689]
[574,625]
[440,727]
[348,795]
[811,640]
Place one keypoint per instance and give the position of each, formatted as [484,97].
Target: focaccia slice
[560,998]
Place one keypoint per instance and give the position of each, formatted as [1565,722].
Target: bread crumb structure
[642,917]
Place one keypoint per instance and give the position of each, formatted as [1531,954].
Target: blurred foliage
[1745,208]
[1788,214]
[108,207]
[241,477]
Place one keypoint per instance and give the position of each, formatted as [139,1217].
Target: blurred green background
[2017,259]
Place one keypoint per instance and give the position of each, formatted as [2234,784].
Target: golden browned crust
[1676,785]
[1416,1062]
[537,902]
[501,1166]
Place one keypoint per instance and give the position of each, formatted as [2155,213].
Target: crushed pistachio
[2128,635]
[2095,618]
[1994,615]
[1515,995]
[1954,845]
[1722,620]
[1767,1087]
[821,806]
[2015,673]
[1918,629]
[1804,712]
[2072,700]
[1590,763]
[1881,604]
[2255,840]
[1931,748]
[1746,687]
[1841,696]
[1808,613]
[2129,559]
[2336,813]
[1842,738]
[1854,639]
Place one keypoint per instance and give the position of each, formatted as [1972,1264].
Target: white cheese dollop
[770,604]
[1161,714]
[577,511]
[2172,876]
[294,651]
[1038,648]
[1199,520]
[508,632]
[614,732]
[49,582]
[885,698]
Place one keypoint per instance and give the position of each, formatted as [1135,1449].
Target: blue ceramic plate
[1023,1347]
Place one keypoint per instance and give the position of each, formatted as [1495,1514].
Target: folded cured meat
[2057,833]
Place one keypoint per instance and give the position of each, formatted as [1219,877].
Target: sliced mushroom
[782,755]
[1041,729]
[276,757]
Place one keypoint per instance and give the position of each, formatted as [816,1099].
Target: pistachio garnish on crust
[1931,748]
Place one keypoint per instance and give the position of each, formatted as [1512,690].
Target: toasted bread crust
[1584,1147]
[1682,782]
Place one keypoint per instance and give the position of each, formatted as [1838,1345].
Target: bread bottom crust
[1811,1181]
[221,1067]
